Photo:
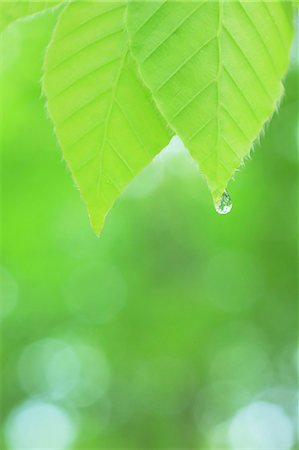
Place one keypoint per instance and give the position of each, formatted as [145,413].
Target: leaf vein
[231,148]
[278,33]
[242,93]
[183,64]
[149,18]
[90,130]
[235,42]
[123,160]
[91,19]
[235,122]
[198,93]
[116,81]
[166,38]
[84,105]
[130,125]
[193,136]
[86,74]
[86,47]
[270,57]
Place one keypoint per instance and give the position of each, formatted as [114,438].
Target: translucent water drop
[224,205]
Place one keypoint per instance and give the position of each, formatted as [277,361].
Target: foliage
[195,317]
[218,83]
[159,333]
[121,78]
[104,118]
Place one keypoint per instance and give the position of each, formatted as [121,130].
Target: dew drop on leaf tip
[224,205]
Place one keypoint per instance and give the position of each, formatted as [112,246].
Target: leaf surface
[105,119]
[215,70]
[10,11]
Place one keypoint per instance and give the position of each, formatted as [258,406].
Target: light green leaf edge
[11,11]
[216,84]
[105,119]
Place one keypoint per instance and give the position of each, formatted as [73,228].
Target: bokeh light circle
[50,368]
[56,370]
[261,425]
[37,425]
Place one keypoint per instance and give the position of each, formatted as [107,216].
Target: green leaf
[215,70]
[105,119]
[10,11]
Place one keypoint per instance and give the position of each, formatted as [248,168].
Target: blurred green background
[177,328]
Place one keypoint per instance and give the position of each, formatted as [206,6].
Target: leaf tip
[97,224]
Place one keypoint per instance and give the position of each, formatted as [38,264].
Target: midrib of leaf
[220,107]
[112,101]
[219,33]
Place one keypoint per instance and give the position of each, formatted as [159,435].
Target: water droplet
[224,205]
